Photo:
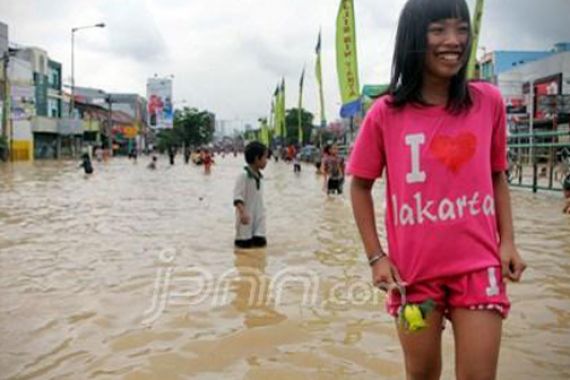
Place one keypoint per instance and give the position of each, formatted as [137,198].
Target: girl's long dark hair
[410,53]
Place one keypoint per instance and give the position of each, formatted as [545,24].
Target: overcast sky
[227,55]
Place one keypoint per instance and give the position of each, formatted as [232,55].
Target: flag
[300,108]
[319,75]
[272,115]
[264,132]
[277,110]
[346,59]
[476,28]
[282,110]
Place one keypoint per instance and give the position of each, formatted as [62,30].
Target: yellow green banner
[346,59]
[300,109]
[319,75]
[476,29]
[282,109]
[264,132]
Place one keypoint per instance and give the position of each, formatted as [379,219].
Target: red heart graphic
[453,152]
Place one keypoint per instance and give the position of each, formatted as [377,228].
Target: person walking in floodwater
[171,154]
[441,143]
[152,164]
[333,170]
[207,160]
[566,189]
[86,163]
[248,199]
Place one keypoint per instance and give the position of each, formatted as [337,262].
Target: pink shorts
[479,290]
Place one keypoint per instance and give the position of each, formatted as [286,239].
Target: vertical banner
[264,138]
[346,59]
[319,75]
[282,125]
[272,115]
[160,110]
[275,108]
[476,29]
[300,109]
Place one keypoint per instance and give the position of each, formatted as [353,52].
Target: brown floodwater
[131,274]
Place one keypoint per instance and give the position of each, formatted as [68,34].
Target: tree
[292,125]
[192,127]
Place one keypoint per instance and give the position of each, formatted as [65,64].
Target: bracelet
[374,259]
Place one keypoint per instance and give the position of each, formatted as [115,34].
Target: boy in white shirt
[248,199]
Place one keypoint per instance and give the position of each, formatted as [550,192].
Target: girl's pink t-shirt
[440,218]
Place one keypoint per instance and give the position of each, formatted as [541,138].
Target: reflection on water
[81,274]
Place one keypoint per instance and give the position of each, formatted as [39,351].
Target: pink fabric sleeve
[499,143]
[367,157]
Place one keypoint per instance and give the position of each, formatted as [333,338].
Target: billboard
[159,96]
[550,85]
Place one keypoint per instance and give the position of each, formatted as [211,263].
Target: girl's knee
[476,374]
[427,371]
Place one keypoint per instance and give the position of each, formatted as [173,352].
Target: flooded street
[132,274]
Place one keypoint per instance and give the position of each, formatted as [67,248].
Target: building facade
[497,62]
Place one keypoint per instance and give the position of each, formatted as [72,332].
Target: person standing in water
[333,171]
[248,199]
[171,154]
[86,163]
[207,160]
[152,164]
[440,142]
[566,189]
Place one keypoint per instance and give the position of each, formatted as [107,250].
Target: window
[53,107]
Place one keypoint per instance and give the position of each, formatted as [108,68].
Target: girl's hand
[385,276]
[512,263]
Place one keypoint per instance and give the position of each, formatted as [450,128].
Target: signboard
[550,85]
[515,105]
[549,104]
[23,102]
[160,110]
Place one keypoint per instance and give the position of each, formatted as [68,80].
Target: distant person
[99,154]
[296,164]
[248,199]
[318,161]
[333,171]
[290,153]
[133,155]
[171,154]
[566,188]
[86,163]
[186,155]
[207,160]
[152,163]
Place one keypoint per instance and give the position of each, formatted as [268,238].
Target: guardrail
[539,160]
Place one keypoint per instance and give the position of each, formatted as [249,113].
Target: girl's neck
[435,91]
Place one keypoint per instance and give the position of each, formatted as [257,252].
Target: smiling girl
[441,143]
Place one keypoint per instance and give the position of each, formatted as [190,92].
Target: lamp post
[73,30]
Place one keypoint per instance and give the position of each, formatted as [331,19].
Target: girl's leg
[422,350]
[477,341]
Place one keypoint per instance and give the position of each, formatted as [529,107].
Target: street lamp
[73,30]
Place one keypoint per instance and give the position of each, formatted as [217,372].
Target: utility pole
[110,124]
[6,105]
[73,31]
[6,94]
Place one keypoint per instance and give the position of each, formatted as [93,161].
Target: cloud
[132,31]
[227,55]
